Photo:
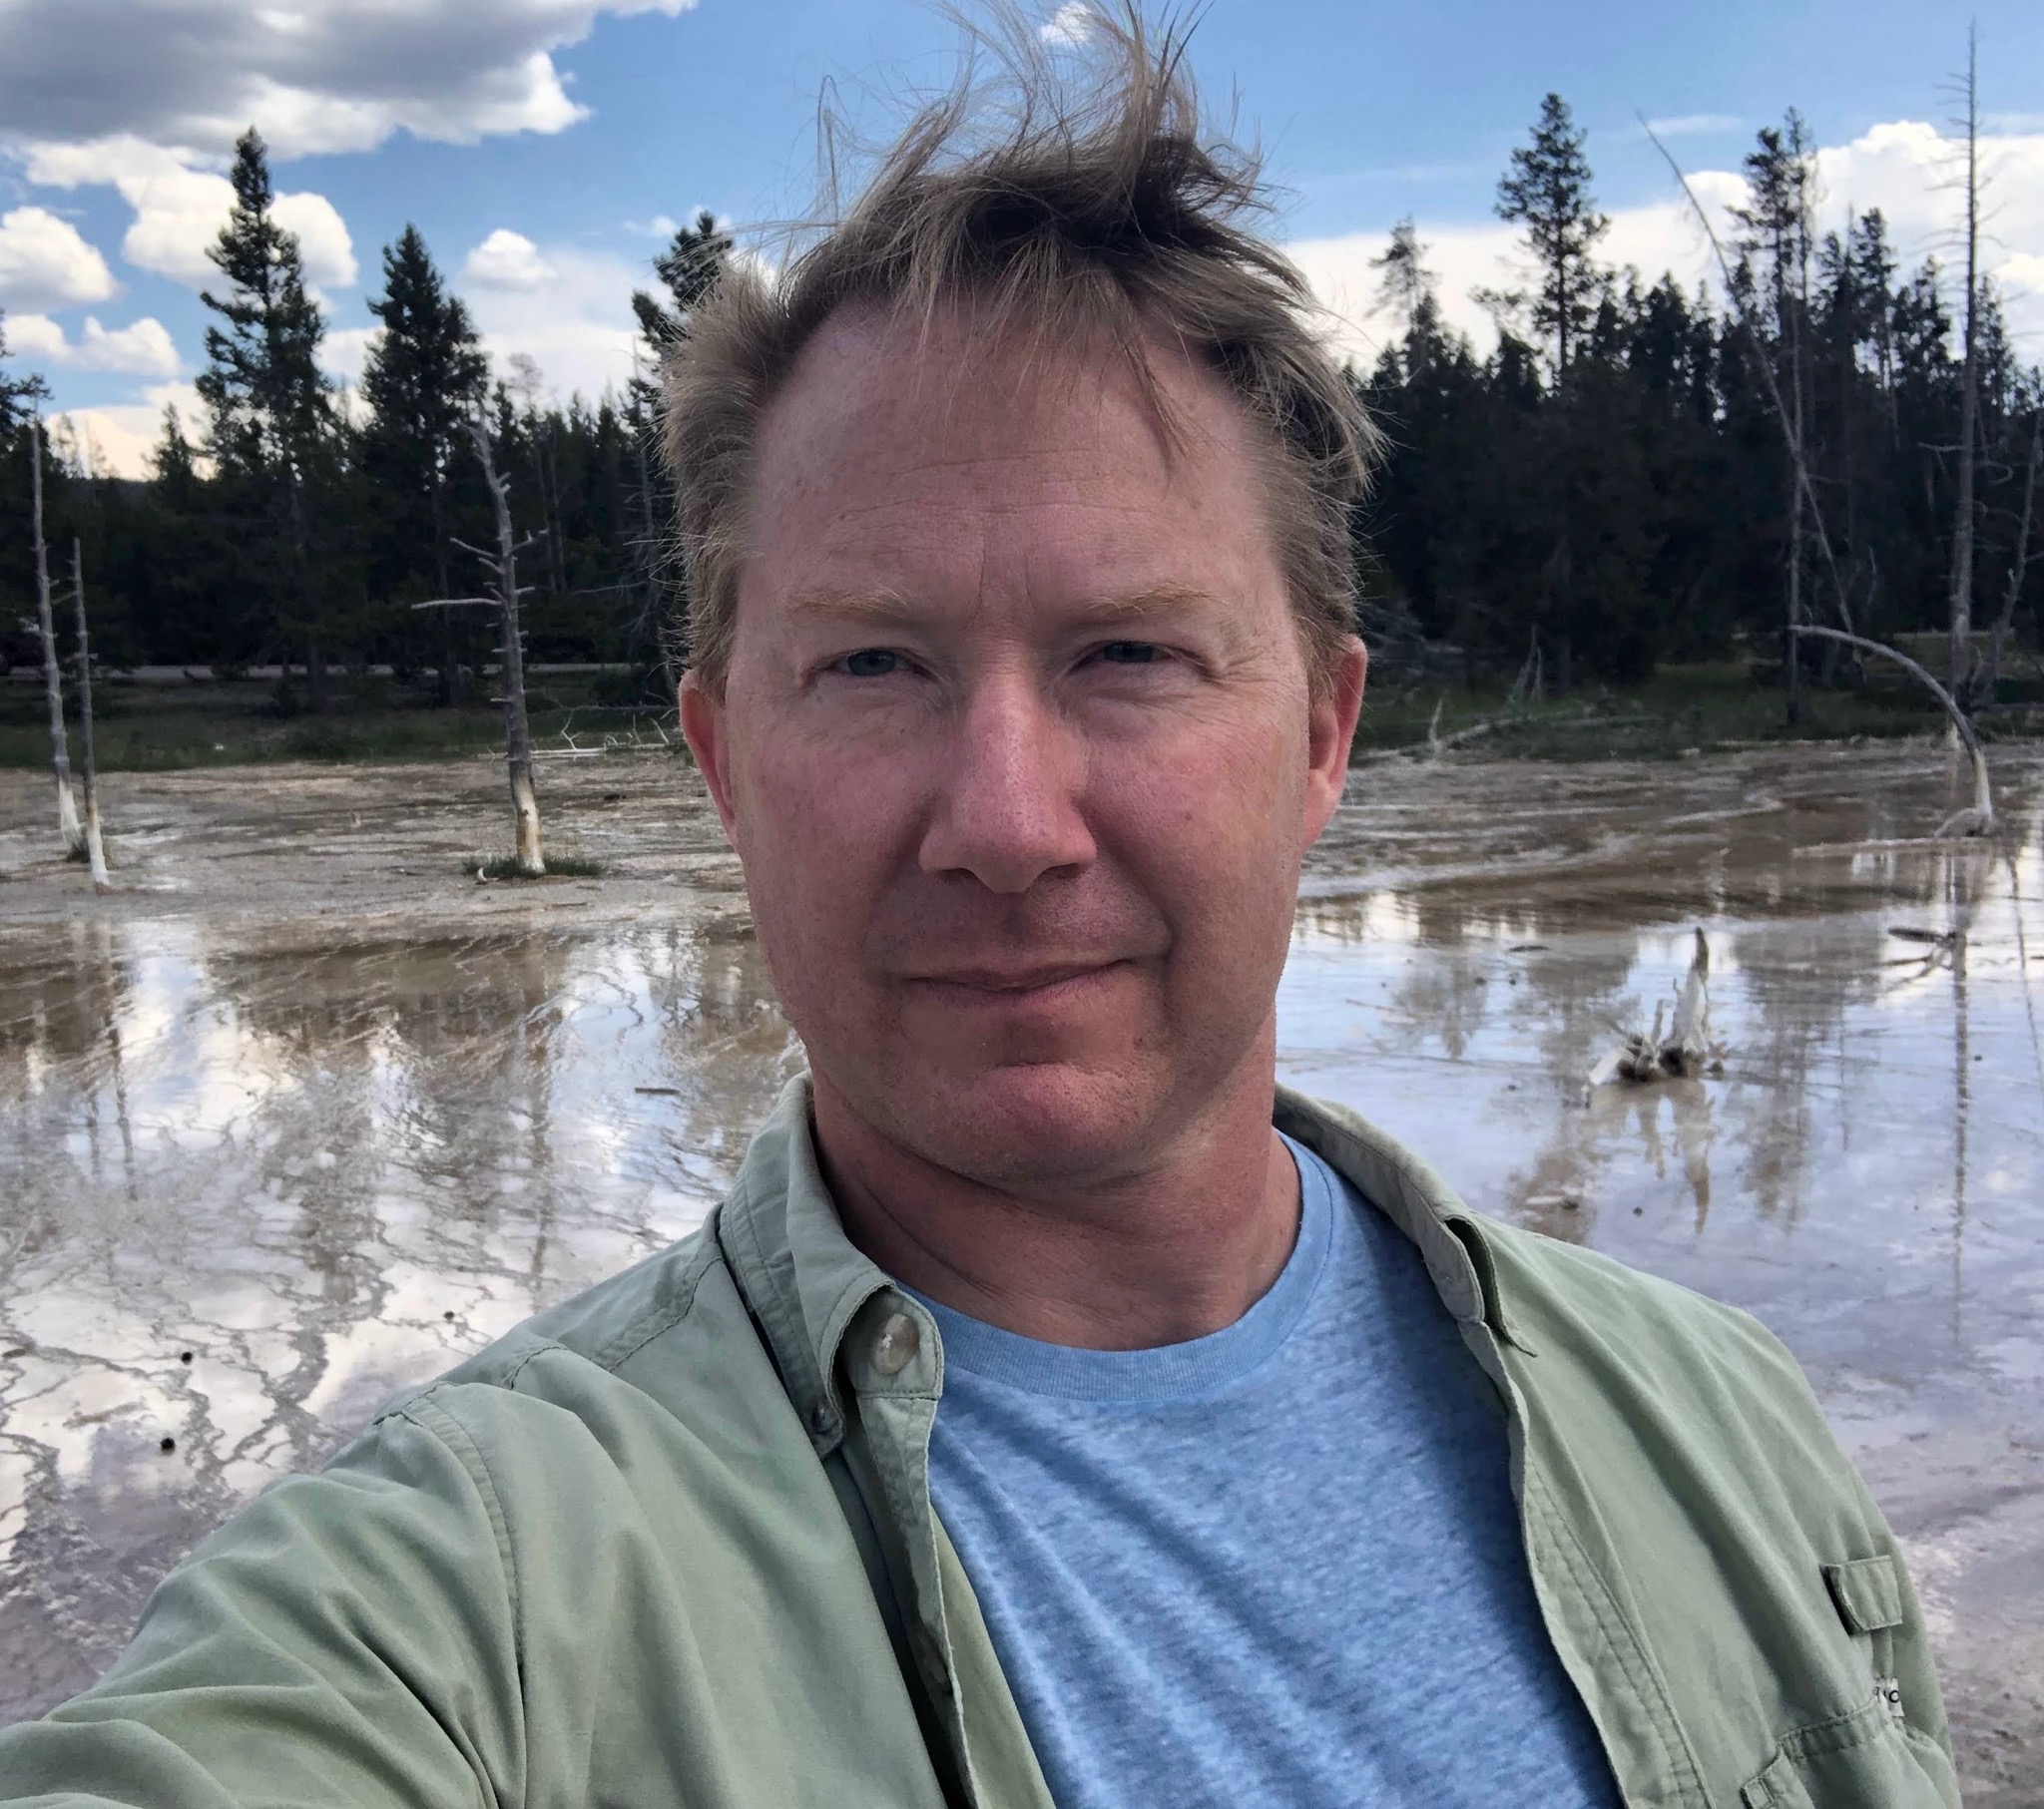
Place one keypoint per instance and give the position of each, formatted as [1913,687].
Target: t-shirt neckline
[1166,1371]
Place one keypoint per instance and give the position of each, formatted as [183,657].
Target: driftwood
[1978,817]
[1686,1051]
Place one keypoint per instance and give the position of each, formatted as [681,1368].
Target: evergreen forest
[1614,487]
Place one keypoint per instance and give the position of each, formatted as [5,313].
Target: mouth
[1002,984]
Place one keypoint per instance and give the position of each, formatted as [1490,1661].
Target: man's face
[1017,747]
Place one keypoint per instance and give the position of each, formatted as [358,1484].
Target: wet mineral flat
[303,1114]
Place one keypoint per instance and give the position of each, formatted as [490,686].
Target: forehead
[895,438]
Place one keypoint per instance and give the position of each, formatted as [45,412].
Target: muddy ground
[305,1101]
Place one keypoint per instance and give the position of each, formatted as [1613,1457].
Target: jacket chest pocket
[1863,1760]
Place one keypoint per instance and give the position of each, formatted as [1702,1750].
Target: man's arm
[350,1637]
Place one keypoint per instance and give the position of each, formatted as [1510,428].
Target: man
[1039,1420]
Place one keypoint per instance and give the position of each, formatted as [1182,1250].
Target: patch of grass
[161,724]
[1678,709]
[558,866]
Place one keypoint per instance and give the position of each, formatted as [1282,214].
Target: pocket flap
[1866,1592]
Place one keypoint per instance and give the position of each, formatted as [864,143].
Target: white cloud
[44,263]
[144,348]
[1072,24]
[179,210]
[322,237]
[1904,168]
[577,325]
[507,261]
[316,75]
[119,439]
[346,349]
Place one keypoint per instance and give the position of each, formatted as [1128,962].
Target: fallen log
[1978,817]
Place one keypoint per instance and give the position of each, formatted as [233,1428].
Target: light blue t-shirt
[1277,1564]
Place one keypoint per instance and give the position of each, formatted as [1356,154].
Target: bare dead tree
[68,825]
[1777,404]
[95,846]
[502,566]
[1978,817]
[1970,391]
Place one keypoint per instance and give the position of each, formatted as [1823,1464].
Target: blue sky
[571,128]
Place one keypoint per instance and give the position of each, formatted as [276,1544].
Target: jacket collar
[807,1283]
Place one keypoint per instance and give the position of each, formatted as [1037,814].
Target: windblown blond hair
[1077,199]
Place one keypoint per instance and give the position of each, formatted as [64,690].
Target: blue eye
[1128,653]
[871,663]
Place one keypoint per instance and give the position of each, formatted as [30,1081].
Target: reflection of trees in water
[723,1044]
[62,1076]
[338,1147]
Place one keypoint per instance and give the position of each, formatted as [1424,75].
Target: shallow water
[305,1103]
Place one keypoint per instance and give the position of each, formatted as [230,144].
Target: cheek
[821,833]
[1210,818]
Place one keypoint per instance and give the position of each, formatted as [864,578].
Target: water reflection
[258,1175]
[1867,1171]
[323,1176]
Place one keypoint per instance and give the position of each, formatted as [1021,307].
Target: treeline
[298,526]
[1614,485]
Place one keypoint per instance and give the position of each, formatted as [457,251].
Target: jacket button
[895,1344]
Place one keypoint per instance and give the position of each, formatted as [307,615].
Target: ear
[1331,731]
[705,727]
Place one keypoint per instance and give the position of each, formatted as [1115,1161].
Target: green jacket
[671,1543]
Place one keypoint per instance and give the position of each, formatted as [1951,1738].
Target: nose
[1007,810]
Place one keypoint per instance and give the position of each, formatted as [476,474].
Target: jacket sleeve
[348,1637]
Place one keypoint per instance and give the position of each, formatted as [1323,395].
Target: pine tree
[688,269]
[1405,291]
[1547,190]
[19,393]
[272,429]
[422,384]
[173,465]
[1778,227]
[15,390]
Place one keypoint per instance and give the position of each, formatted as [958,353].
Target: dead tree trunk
[1792,320]
[1969,398]
[95,847]
[68,825]
[527,856]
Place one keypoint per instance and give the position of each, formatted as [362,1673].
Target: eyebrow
[890,609]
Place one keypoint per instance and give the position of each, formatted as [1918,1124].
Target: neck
[1181,1244]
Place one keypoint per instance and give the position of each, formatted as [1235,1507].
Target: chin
[1031,1123]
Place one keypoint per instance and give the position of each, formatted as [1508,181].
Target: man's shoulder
[1557,1292]
[1606,1323]
[597,1342]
